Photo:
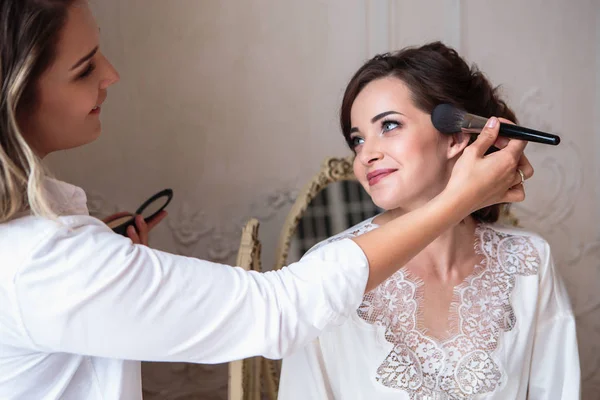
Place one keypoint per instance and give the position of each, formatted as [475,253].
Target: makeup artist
[80,306]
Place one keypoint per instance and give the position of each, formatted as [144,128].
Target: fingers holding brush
[502,141]
[495,177]
[449,119]
[487,138]
[517,147]
[524,170]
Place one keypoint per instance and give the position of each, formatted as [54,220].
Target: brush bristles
[447,118]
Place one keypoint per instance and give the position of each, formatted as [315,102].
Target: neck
[450,257]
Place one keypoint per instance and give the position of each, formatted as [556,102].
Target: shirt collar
[65,199]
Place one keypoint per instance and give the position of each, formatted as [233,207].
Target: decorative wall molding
[558,182]
[269,204]
[188,227]
[196,234]
[99,206]
[552,200]
[554,191]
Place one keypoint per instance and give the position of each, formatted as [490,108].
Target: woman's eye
[356,141]
[88,71]
[389,125]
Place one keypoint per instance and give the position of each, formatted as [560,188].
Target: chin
[95,134]
[399,200]
[387,203]
[88,139]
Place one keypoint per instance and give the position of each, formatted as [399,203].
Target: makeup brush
[449,119]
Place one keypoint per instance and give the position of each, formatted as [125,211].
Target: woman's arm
[85,290]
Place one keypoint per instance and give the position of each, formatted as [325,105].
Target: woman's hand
[482,180]
[140,233]
[111,218]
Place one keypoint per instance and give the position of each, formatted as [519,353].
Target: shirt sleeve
[555,370]
[86,290]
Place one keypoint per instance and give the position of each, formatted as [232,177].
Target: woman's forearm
[391,246]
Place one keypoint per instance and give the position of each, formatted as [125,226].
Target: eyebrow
[377,118]
[85,58]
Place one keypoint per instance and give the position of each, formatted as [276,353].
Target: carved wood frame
[334,169]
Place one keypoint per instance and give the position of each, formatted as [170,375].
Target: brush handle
[531,135]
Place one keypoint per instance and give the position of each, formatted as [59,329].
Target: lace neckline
[461,365]
[453,321]
[419,285]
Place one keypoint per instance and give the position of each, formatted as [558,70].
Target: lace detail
[462,365]
[358,230]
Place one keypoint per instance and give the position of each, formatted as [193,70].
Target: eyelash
[88,71]
[353,144]
[354,139]
[390,121]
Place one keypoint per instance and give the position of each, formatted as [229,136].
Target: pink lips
[96,110]
[377,175]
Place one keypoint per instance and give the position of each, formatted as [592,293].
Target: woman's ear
[457,143]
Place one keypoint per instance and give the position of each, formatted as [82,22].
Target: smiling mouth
[376,176]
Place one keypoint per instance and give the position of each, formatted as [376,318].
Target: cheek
[70,102]
[404,149]
[56,116]
[420,161]
[414,150]
[359,172]
[61,120]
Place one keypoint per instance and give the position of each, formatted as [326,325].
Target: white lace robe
[512,335]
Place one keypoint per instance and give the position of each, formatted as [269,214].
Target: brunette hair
[435,74]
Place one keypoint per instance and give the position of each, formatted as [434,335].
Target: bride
[479,313]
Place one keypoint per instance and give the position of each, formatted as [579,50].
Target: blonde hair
[29,31]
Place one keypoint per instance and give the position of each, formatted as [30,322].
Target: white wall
[234,105]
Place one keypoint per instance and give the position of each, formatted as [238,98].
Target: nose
[370,152]
[110,74]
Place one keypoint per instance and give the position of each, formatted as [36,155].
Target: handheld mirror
[148,210]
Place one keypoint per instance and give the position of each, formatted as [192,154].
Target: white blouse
[512,336]
[80,305]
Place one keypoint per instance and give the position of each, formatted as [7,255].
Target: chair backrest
[334,169]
